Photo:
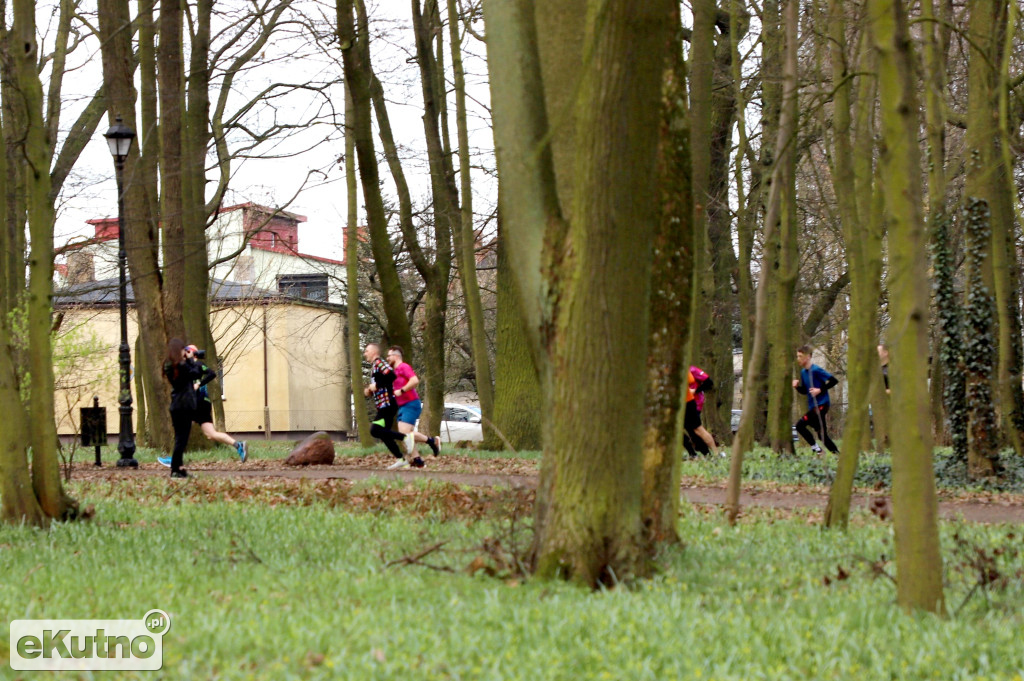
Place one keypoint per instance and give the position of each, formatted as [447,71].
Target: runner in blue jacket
[814,382]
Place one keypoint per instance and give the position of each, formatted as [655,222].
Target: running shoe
[243,450]
[418,462]
[180,473]
[435,445]
[401,463]
[164,461]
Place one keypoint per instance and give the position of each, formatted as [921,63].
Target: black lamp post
[119,139]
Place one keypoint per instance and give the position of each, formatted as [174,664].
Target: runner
[409,404]
[691,418]
[204,411]
[702,383]
[182,373]
[382,378]
[814,382]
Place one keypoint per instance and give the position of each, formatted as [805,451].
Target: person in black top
[203,414]
[181,372]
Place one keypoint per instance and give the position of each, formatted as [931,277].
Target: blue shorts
[410,412]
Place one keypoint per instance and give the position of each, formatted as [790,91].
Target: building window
[306,286]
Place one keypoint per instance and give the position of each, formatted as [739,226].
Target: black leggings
[819,423]
[389,437]
[182,421]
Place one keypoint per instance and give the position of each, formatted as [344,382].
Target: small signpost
[93,422]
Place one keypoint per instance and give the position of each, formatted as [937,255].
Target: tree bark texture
[979,318]
[785,261]
[671,302]
[918,558]
[170,72]
[593,302]
[517,398]
[36,153]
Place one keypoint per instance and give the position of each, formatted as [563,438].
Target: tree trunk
[595,307]
[170,72]
[517,404]
[195,143]
[140,220]
[979,317]
[447,216]
[752,372]
[716,350]
[671,302]
[1005,262]
[918,559]
[36,154]
[786,265]
[355,51]
[465,238]
[951,336]
[18,502]
[701,72]
[852,182]
[355,350]
[983,189]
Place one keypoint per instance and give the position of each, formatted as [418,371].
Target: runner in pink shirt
[409,404]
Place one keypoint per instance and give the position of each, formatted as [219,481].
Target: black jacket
[182,378]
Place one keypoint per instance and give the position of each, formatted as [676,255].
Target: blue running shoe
[243,450]
[164,461]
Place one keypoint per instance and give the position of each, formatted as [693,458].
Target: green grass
[262,592]
[806,467]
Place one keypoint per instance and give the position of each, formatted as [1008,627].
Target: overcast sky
[91,193]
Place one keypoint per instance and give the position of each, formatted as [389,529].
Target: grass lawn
[288,581]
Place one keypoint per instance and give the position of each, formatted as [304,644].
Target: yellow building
[283,360]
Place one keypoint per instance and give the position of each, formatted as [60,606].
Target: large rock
[317,449]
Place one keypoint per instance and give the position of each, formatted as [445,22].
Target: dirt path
[1008,510]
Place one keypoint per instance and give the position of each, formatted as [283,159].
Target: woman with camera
[203,415]
[181,372]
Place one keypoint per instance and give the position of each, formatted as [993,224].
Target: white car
[461,422]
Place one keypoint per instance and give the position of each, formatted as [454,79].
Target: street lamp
[119,139]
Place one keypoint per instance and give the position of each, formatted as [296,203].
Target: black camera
[200,354]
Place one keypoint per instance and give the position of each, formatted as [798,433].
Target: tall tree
[851,160]
[141,219]
[985,179]
[753,364]
[518,402]
[355,50]
[718,301]
[918,560]
[171,90]
[783,258]
[46,498]
[355,352]
[447,216]
[671,304]
[585,293]
[464,235]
